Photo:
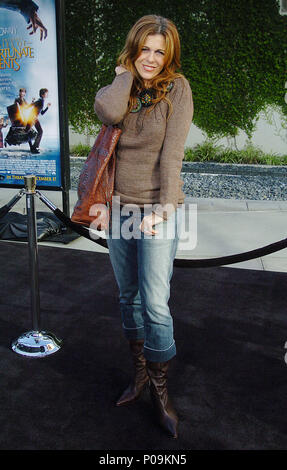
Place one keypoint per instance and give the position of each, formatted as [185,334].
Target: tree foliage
[233,54]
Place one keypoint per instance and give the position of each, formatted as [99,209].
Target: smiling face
[152,58]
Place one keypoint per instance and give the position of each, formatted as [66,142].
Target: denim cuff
[133,333]
[160,356]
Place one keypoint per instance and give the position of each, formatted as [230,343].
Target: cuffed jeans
[143,267]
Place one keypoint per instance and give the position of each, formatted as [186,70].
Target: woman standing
[152,104]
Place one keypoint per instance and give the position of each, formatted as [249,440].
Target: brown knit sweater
[151,148]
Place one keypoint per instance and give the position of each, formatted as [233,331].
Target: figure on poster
[3,124]
[25,111]
[29,10]
[21,113]
[21,98]
[24,117]
[22,107]
[38,108]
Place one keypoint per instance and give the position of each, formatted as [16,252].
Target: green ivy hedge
[233,54]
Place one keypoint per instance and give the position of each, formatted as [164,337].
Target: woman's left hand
[148,221]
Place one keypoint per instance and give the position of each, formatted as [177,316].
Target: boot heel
[166,414]
[141,377]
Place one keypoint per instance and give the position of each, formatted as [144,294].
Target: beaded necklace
[146,97]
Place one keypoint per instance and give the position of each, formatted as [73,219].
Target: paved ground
[218,227]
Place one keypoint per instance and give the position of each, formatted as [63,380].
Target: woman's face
[152,58]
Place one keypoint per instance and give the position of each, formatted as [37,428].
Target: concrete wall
[75,139]
[269,137]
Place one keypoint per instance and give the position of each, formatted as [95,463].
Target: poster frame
[63,116]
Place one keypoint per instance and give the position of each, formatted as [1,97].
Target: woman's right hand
[120,69]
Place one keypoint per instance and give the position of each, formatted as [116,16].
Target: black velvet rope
[185,263]
[80,229]
[182,263]
[231,259]
[5,209]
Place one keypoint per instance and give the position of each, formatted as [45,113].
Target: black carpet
[228,380]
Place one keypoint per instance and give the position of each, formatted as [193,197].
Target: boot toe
[132,393]
[171,426]
[128,396]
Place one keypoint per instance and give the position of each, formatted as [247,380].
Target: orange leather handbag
[96,182]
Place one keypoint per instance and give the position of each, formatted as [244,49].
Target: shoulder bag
[96,182]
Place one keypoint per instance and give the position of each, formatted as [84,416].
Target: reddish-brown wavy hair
[145,26]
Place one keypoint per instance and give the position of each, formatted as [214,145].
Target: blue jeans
[143,267]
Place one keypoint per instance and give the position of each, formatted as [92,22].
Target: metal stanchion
[34,343]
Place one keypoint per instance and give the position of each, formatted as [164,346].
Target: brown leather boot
[141,377]
[166,413]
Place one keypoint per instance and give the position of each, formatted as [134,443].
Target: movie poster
[29,108]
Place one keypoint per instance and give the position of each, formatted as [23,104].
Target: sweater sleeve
[172,153]
[111,102]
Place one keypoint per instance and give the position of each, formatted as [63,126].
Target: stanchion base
[36,344]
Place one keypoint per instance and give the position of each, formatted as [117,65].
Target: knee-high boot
[166,413]
[140,378]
